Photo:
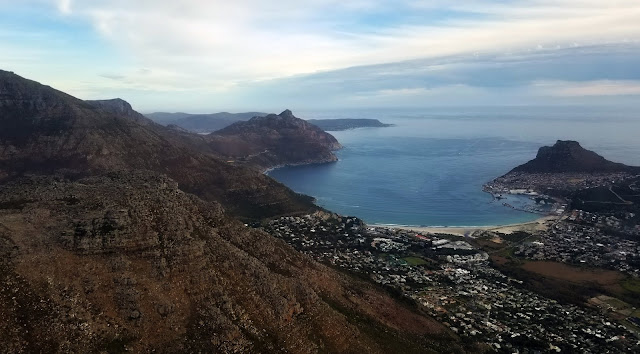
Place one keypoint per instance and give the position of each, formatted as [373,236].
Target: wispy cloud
[590,88]
[249,39]
[341,51]
[64,6]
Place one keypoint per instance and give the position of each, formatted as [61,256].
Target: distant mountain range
[202,123]
[118,234]
[46,131]
[207,123]
[347,123]
[569,156]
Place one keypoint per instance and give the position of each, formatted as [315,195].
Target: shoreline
[267,170]
[535,225]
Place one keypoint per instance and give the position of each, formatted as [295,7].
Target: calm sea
[429,169]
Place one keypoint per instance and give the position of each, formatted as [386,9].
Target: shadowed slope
[43,130]
[127,260]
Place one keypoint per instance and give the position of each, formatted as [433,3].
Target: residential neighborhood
[454,282]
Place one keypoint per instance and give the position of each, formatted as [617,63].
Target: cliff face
[120,107]
[45,131]
[569,156]
[275,140]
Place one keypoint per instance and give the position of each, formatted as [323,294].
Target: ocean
[428,170]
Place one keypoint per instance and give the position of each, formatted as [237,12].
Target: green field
[617,304]
[632,285]
[414,261]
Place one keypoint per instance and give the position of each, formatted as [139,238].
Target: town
[582,239]
[453,281]
[553,182]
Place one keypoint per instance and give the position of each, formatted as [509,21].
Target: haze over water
[429,169]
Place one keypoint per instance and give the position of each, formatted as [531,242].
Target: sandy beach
[539,224]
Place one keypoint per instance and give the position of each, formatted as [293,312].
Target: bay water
[428,169]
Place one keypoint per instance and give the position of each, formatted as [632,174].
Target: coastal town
[522,182]
[567,282]
[574,243]
[454,281]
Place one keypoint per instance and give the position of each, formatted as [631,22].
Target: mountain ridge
[47,131]
[118,235]
[338,124]
[201,123]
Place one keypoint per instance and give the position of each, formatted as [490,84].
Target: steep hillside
[275,140]
[104,248]
[127,261]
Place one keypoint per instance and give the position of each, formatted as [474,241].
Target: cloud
[590,88]
[257,40]
[247,54]
[64,6]
[114,77]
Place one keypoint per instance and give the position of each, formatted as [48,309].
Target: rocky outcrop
[275,140]
[120,107]
[568,156]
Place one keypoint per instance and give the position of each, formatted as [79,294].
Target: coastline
[538,224]
[267,170]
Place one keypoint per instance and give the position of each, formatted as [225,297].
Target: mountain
[207,123]
[347,123]
[126,261]
[120,107]
[46,131]
[569,156]
[202,123]
[275,140]
[115,236]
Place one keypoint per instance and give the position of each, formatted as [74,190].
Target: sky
[258,55]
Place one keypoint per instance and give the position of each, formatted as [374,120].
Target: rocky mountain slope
[128,261]
[43,130]
[275,140]
[114,237]
[569,156]
[120,107]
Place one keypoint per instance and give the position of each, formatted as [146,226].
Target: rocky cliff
[120,107]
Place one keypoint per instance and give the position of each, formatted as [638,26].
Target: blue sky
[205,56]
